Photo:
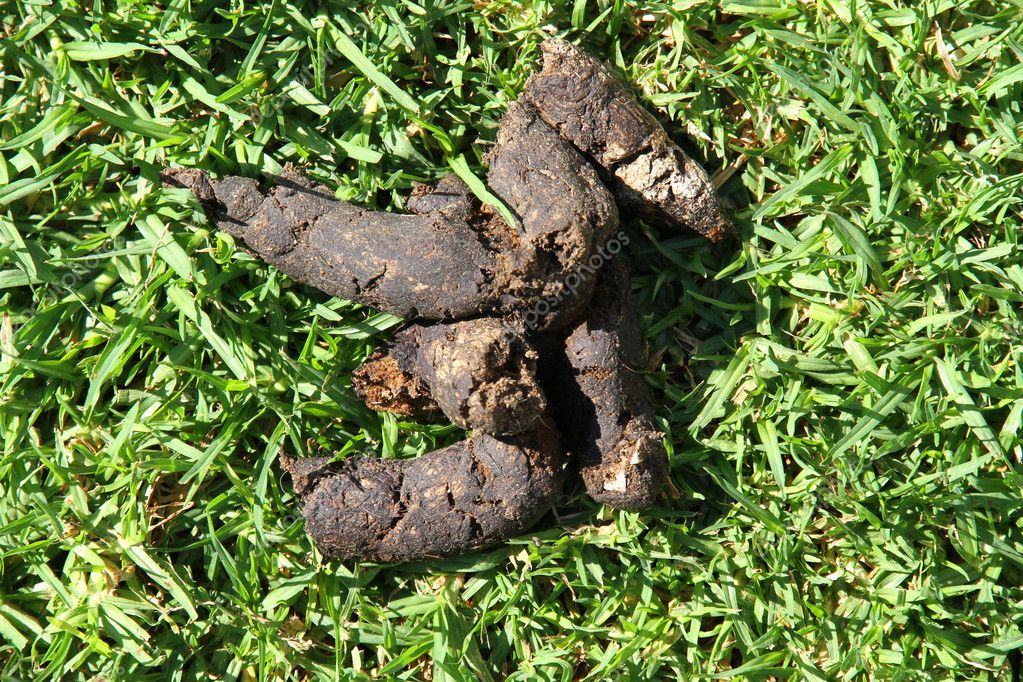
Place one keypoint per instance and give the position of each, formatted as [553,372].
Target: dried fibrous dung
[481,373]
[468,496]
[481,296]
[347,251]
[451,262]
[565,211]
[603,406]
[389,381]
[649,173]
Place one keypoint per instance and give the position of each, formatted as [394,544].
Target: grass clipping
[513,334]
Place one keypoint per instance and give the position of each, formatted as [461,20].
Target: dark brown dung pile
[525,334]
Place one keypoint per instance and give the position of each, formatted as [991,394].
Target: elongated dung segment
[430,266]
[462,498]
[453,259]
[565,212]
[649,173]
[604,411]
[481,373]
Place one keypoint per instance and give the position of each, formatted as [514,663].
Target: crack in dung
[400,502]
[373,282]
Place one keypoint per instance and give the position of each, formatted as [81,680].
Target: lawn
[840,384]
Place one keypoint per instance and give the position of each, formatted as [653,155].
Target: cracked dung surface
[576,94]
[440,264]
[570,152]
[468,496]
[603,407]
[481,373]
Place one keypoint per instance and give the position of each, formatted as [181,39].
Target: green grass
[842,385]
